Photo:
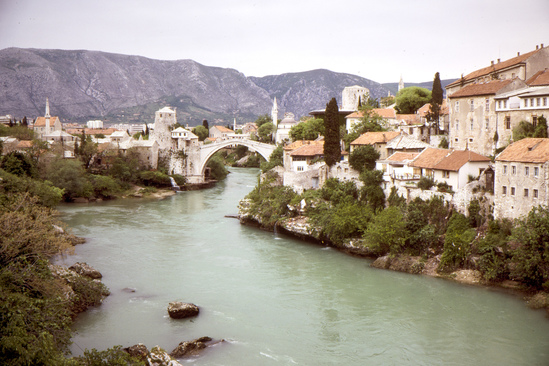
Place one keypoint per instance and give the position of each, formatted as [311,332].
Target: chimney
[499,60]
[492,63]
[537,47]
[541,46]
[518,53]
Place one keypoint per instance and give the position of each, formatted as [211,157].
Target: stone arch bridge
[198,158]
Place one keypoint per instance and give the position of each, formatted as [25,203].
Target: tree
[523,130]
[363,158]
[437,96]
[24,122]
[332,147]
[261,120]
[87,150]
[410,99]
[265,132]
[206,125]
[19,164]
[541,128]
[371,192]
[70,175]
[201,132]
[387,232]
[311,129]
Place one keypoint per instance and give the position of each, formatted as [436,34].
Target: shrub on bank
[154,179]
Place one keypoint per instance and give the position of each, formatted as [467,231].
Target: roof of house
[458,158]
[404,141]
[309,150]
[429,158]
[223,129]
[481,89]
[370,138]
[528,150]
[444,110]
[297,144]
[409,119]
[496,67]
[41,121]
[382,112]
[539,79]
[24,144]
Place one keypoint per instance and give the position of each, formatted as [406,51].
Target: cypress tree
[205,124]
[437,95]
[332,147]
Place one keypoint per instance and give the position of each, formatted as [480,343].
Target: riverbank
[299,227]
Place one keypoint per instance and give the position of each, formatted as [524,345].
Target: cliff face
[88,84]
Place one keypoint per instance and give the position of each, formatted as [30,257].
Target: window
[487,105]
[457,124]
[531,102]
[505,104]
[504,190]
[486,123]
[535,193]
[499,104]
[536,171]
[525,102]
[545,101]
[513,169]
[456,106]
[470,139]
[505,169]
[445,174]
[526,171]
[525,192]
[538,102]
[472,105]
[534,120]
[507,122]
[512,191]
[456,139]
[472,124]
[300,168]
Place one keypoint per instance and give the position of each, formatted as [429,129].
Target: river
[277,300]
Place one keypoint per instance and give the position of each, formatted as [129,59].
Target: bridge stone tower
[351,95]
[164,119]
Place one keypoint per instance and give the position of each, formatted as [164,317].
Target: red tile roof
[539,79]
[529,150]
[309,150]
[429,158]
[402,156]
[496,67]
[223,129]
[409,119]
[458,158]
[382,112]
[297,144]
[481,89]
[41,121]
[370,138]
[444,110]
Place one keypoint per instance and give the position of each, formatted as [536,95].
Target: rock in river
[180,310]
[85,269]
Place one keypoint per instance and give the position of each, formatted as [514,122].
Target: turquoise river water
[277,300]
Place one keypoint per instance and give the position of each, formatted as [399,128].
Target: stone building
[352,95]
[521,178]
[46,125]
[284,127]
[164,120]
[221,132]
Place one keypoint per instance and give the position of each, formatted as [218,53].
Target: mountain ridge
[82,85]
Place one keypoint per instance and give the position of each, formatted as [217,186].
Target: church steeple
[47,116]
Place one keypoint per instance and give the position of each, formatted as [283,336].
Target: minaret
[274,114]
[401,84]
[234,125]
[47,117]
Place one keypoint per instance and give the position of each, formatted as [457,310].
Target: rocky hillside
[85,85]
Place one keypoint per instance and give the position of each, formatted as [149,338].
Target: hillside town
[470,148]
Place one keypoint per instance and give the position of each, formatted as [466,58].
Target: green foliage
[114,356]
[409,100]
[337,191]
[19,164]
[125,168]
[311,129]
[265,131]
[241,151]
[261,120]
[475,215]
[425,183]
[531,257]
[444,187]
[523,130]
[69,175]
[270,203]
[541,128]
[105,186]
[18,131]
[201,132]
[371,192]
[275,159]
[444,143]
[154,179]
[493,251]
[386,233]
[395,199]
[332,147]
[45,193]
[217,168]
[363,158]
[179,179]
[86,151]
[340,221]
[457,243]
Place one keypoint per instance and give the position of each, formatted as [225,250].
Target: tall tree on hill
[332,147]
[205,124]
[437,95]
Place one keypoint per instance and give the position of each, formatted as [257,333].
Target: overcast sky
[378,40]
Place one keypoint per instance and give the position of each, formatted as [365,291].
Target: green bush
[70,175]
[275,159]
[493,251]
[45,192]
[425,183]
[457,243]
[217,168]
[387,232]
[19,164]
[105,186]
[114,356]
[340,222]
[154,179]
[270,203]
